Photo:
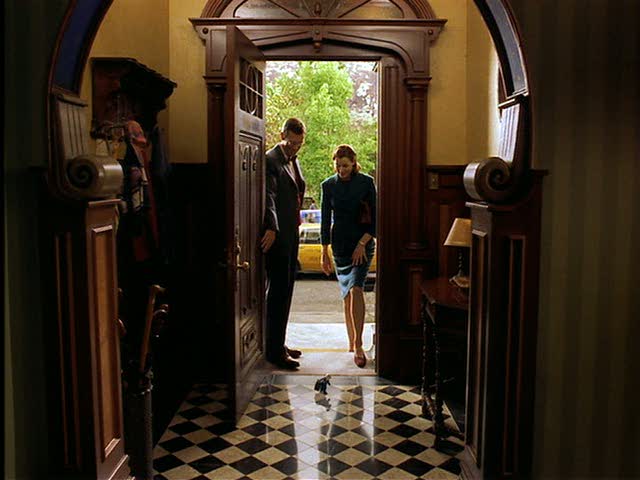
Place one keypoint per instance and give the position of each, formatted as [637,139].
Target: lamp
[460,236]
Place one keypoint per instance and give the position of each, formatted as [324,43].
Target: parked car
[311,248]
[310,216]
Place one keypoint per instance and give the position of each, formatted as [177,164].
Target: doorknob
[244,266]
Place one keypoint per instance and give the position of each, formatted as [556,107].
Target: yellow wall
[447,102]
[188,120]
[462,98]
[482,89]
[138,29]
[462,94]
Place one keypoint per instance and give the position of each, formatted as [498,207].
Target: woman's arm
[325,212]
[359,253]
[371,199]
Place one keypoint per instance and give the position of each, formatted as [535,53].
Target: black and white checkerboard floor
[364,428]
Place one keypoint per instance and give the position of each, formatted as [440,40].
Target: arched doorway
[408,68]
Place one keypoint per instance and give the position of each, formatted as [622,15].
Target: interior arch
[409,37]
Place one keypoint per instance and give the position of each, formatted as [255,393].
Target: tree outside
[337,101]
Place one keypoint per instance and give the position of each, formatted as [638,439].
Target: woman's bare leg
[348,320]
[357,313]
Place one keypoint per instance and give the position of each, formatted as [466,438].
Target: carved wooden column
[417,158]
[416,246]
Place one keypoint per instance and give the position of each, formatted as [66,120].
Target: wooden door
[244,134]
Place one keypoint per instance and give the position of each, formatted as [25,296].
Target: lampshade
[460,233]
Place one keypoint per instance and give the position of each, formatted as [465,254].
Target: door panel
[244,152]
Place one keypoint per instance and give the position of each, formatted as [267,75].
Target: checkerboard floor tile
[362,429]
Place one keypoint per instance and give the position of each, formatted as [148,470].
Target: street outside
[317,299]
[317,323]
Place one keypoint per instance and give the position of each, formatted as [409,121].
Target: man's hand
[267,240]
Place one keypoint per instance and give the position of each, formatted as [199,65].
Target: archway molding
[401,45]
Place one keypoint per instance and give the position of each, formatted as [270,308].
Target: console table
[444,308]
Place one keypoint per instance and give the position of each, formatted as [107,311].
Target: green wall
[583,58]
[30,30]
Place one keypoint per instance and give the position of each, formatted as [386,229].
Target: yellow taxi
[311,248]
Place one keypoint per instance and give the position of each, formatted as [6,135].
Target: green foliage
[319,94]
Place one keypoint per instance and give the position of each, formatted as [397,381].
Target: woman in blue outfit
[350,196]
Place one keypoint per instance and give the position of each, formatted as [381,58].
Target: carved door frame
[402,51]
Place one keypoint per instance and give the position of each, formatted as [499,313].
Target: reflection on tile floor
[363,428]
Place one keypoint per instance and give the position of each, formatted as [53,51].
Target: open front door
[237,152]
[244,146]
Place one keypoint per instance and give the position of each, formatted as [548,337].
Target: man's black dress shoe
[286,363]
[293,353]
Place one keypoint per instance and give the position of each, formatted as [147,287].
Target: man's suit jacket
[283,200]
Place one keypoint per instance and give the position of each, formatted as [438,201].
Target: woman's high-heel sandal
[360,360]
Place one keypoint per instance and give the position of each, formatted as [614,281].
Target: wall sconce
[460,236]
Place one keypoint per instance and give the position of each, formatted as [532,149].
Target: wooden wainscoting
[445,199]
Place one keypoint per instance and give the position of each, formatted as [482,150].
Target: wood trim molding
[225,8]
[82,19]
[403,56]
[279,39]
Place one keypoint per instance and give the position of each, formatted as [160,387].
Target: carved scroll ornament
[501,178]
[76,174]
[93,176]
[489,180]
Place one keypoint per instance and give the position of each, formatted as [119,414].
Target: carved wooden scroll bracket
[503,178]
[75,174]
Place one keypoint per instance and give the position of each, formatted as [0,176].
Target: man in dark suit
[285,192]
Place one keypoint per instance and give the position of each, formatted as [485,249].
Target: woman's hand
[359,256]
[325,261]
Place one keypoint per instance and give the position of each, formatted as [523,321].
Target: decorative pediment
[300,9]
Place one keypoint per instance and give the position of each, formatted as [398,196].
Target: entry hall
[501,140]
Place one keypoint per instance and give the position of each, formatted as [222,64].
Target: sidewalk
[316,322]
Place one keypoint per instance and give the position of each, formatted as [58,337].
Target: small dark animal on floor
[322,384]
